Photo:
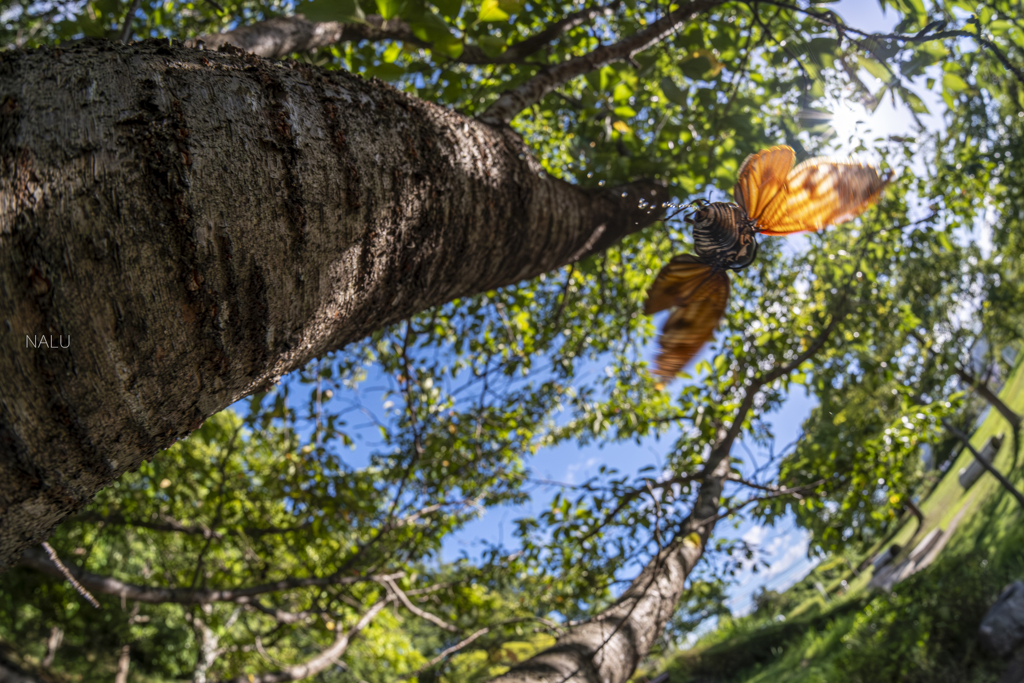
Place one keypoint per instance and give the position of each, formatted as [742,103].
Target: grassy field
[923,631]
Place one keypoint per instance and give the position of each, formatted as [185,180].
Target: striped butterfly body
[772,198]
[723,235]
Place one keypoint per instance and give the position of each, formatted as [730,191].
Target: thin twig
[67,575]
[126,30]
[505,108]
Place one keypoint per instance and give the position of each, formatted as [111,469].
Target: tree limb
[61,570]
[390,206]
[608,647]
[282,36]
[392,587]
[173,525]
[966,440]
[316,664]
[990,396]
[504,109]
[830,19]
[108,585]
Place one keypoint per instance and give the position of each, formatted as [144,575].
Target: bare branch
[107,585]
[282,36]
[321,661]
[392,587]
[63,571]
[174,525]
[280,615]
[126,30]
[773,492]
[525,95]
[830,19]
[452,650]
[124,661]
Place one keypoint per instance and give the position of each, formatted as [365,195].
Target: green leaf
[999,27]
[874,68]
[490,10]
[672,92]
[720,362]
[429,27]
[953,82]
[388,9]
[622,92]
[915,103]
[449,8]
[391,53]
[491,45]
[386,72]
[625,112]
[449,46]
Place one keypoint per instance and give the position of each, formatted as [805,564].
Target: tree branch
[60,569]
[174,525]
[282,36]
[108,585]
[830,19]
[966,440]
[321,661]
[525,95]
[990,396]
[393,588]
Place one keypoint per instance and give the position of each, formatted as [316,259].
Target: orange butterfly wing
[762,178]
[699,293]
[821,192]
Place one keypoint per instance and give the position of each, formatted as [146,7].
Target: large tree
[200,223]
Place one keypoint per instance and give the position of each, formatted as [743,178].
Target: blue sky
[784,546]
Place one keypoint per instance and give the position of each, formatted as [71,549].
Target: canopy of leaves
[344,481]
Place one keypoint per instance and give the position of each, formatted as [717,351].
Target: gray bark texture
[608,648]
[182,227]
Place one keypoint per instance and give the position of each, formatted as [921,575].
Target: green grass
[924,631]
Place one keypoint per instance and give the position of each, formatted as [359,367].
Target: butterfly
[772,198]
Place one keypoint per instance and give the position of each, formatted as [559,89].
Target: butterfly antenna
[686,207]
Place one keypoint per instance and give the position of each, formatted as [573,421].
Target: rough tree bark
[607,648]
[182,227]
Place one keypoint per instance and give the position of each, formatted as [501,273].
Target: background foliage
[361,465]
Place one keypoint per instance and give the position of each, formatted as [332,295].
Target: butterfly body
[723,235]
[772,198]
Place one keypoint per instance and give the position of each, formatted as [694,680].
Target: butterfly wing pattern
[817,193]
[762,179]
[780,200]
[698,294]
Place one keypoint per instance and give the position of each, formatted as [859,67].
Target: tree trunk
[916,511]
[981,388]
[179,228]
[607,648]
[984,463]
